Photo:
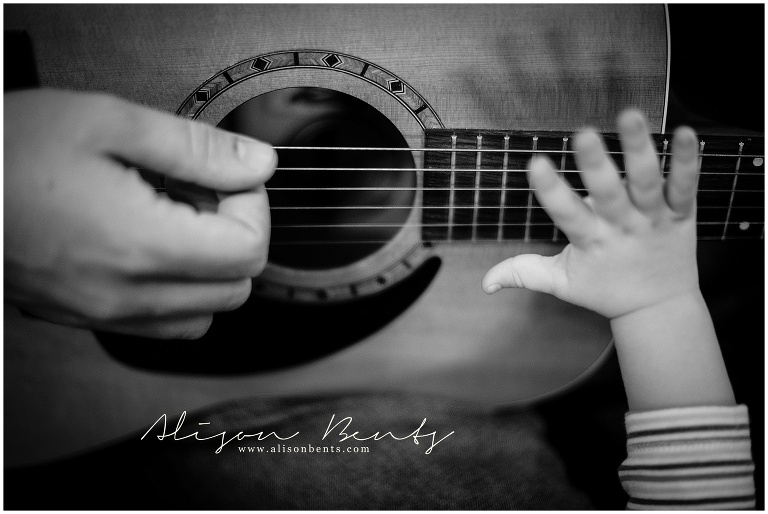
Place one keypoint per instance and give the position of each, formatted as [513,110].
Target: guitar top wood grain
[505,67]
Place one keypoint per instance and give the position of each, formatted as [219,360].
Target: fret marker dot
[757,161]
[744,225]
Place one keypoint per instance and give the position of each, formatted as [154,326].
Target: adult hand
[632,243]
[89,243]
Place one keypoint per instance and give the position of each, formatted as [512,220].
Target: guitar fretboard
[475,186]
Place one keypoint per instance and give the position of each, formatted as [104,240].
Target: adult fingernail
[255,154]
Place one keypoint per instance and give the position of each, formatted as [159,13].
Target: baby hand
[632,243]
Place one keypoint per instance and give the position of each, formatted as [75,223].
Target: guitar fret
[452,186]
[701,158]
[702,143]
[733,190]
[476,201]
[527,236]
[503,199]
[556,231]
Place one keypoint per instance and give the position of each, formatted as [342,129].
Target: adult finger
[251,208]
[110,302]
[187,150]
[204,245]
[192,327]
[684,170]
[179,327]
[606,189]
[160,237]
[566,208]
[248,207]
[644,180]
[154,299]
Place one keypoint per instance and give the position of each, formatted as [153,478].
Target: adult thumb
[528,271]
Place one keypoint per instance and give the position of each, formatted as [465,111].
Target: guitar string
[438,189]
[531,239]
[444,225]
[474,170]
[474,149]
[480,238]
[490,239]
[468,170]
[458,189]
[422,207]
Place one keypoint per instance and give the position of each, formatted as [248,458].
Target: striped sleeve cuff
[689,458]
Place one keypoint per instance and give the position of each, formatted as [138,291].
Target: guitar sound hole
[326,224]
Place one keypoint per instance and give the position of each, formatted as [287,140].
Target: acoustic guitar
[403,133]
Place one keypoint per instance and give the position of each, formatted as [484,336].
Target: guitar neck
[476,189]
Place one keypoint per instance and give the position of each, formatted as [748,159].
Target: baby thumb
[529,271]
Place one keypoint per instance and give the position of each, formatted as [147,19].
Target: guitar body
[490,67]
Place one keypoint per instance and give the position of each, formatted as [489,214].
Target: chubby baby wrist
[685,303]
